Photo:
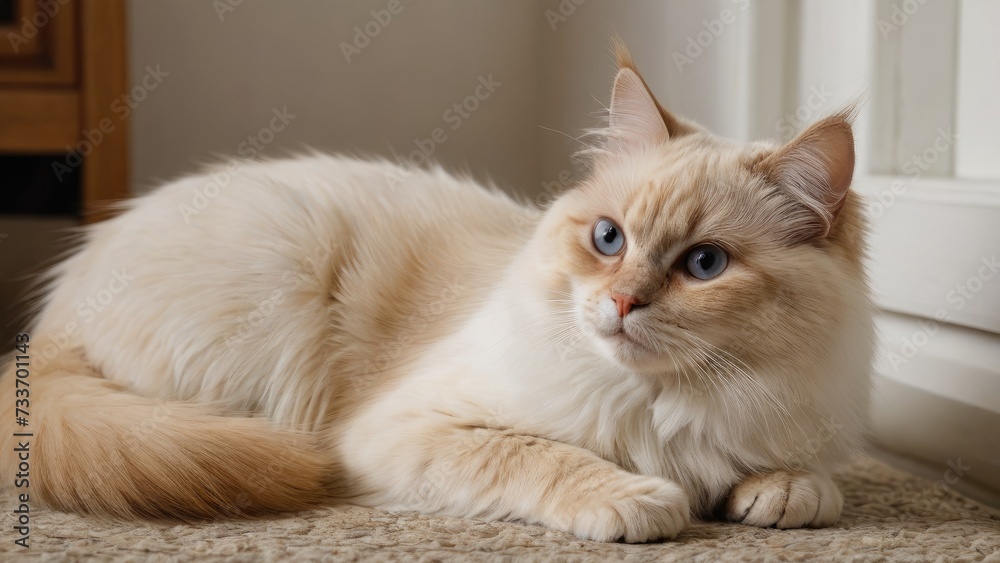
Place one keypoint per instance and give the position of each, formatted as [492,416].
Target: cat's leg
[486,473]
[785,499]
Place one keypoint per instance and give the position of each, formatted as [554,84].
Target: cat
[685,333]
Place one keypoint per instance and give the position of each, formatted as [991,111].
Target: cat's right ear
[635,118]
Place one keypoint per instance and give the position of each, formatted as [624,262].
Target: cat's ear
[635,117]
[816,168]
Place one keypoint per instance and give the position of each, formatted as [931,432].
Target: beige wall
[552,58]
[228,73]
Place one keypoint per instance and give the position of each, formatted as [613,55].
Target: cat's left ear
[816,168]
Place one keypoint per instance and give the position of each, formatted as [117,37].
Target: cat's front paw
[785,499]
[637,509]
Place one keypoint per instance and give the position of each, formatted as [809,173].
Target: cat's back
[302,264]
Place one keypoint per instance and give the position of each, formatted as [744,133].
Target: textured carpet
[888,515]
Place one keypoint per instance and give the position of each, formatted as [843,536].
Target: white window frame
[930,231]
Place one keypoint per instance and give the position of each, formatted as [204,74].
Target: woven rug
[888,515]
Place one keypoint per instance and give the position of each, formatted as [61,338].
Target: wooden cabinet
[62,67]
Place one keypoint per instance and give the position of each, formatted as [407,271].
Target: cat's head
[681,247]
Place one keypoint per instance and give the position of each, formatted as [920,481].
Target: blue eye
[706,261]
[608,238]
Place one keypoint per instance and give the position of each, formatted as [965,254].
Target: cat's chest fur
[510,368]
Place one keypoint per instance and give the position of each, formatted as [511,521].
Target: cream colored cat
[685,333]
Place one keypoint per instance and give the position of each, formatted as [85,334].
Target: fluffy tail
[98,449]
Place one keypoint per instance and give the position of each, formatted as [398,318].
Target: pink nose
[625,303]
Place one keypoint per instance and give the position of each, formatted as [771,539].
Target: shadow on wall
[27,245]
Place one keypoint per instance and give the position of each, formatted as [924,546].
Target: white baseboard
[962,364]
[952,443]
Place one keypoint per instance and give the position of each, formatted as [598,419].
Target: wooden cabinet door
[63,65]
[37,40]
